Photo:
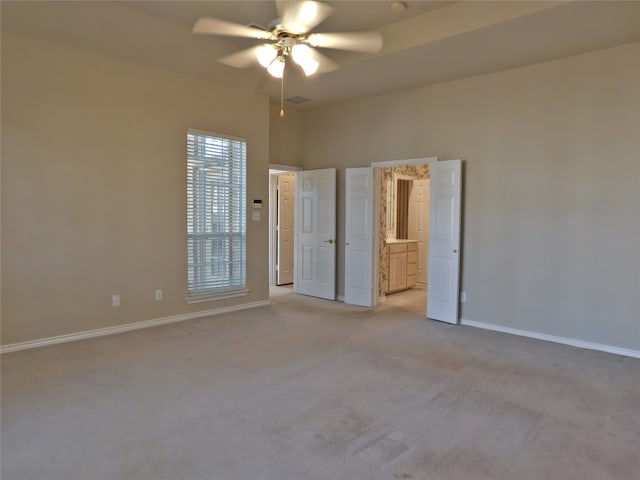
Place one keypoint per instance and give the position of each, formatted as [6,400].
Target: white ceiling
[431,41]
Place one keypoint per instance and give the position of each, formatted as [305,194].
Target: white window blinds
[216,223]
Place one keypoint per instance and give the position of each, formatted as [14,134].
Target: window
[216,223]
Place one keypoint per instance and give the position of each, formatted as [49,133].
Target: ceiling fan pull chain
[282,96]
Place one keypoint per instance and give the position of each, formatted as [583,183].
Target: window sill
[208,297]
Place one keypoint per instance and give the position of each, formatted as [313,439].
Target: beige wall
[286,135]
[94,187]
[552,185]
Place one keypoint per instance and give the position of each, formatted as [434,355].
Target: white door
[419,224]
[286,192]
[444,240]
[358,252]
[315,258]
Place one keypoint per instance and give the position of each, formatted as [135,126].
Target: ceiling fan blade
[281,6]
[301,17]
[368,42]
[215,26]
[241,59]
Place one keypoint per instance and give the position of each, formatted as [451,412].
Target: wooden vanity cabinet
[412,263]
[403,260]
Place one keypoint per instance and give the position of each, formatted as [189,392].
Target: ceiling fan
[290,36]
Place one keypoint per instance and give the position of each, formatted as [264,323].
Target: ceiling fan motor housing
[288,42]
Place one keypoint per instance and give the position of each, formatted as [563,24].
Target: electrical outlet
[463,297]
[158,295]
[115,300]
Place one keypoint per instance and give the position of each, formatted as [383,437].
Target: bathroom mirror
[402,190]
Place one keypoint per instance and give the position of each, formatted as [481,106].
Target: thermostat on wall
[257,203]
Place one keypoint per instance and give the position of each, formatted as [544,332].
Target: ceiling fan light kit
[276,67]
[303,56]
[289,36]
[266,54]
[270,56]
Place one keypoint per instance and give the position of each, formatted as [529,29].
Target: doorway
[281,225]
[404,233]
[302,255]
[445,198]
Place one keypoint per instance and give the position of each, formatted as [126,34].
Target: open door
[315,256]
[444,240]
[358,276]
[284,227]
[418,224]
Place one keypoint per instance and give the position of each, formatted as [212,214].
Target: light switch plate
[256,216]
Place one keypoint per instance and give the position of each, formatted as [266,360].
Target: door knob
[329,241]
[455,251]
[347,243]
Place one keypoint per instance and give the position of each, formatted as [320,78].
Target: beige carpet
[309,389]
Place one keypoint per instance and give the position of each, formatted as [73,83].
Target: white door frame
[274,170]
[376,210]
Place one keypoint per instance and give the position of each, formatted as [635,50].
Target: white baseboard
[71,337]
[553,338]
